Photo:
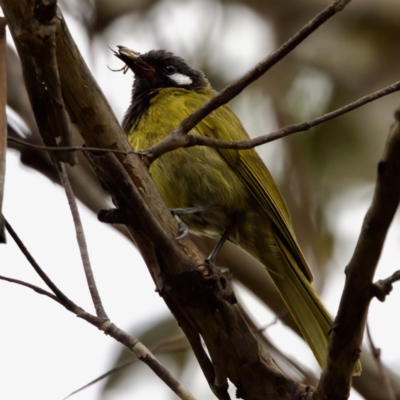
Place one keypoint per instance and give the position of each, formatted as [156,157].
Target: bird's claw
[183,229]
[192,210]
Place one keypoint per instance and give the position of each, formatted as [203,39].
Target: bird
[244,200]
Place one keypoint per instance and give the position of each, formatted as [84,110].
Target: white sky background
[46,352]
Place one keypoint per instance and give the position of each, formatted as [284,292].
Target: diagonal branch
[191,140]
[175,141]
[42,77]
[80,236]
[348,329]
[66,302]
[170,345]
[3,120]
[388,392]
[37,289]
[134,345]
[236,87]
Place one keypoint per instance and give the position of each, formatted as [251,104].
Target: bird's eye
[170,69]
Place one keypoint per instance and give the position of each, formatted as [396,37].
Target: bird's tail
[306,308]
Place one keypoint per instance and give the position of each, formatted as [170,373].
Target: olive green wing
[306,308]
[224,124]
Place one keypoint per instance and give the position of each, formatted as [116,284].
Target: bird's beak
[133,61]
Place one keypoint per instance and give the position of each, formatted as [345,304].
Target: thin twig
[80,236]
[389,395]
[156,349]
[99,150]
[101,377]
[133,344]
[190,141]
[264,328]
[37,289]
[67,303]
[290,129]
[240,84]
[177,141]
[278,317]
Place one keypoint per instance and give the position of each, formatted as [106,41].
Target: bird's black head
[160,69]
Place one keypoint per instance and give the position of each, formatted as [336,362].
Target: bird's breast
[200,177]
[190,177]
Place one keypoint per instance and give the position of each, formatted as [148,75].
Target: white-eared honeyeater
[165,91]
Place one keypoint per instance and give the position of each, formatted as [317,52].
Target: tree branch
[66,302]
[389,395]
[104,324]
[3,121]
[42,78]
[174,140]
[164,146]
[384,286]
[178,344]
[37,289]
[348,328]
[56,149]
[80,236]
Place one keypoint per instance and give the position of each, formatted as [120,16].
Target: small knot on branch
[204,270]
[383,287]
[112,216]
[106,326]
[339,5]
[381,168]
[146,157]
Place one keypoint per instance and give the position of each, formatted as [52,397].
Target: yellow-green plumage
[242,186]
[166,91]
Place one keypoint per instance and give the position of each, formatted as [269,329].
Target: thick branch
[42,78]
[3,121]
[348,329]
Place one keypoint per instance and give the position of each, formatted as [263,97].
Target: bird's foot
[211,258]
[192,210]
[183,228]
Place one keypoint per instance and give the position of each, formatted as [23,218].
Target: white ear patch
[181,79]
